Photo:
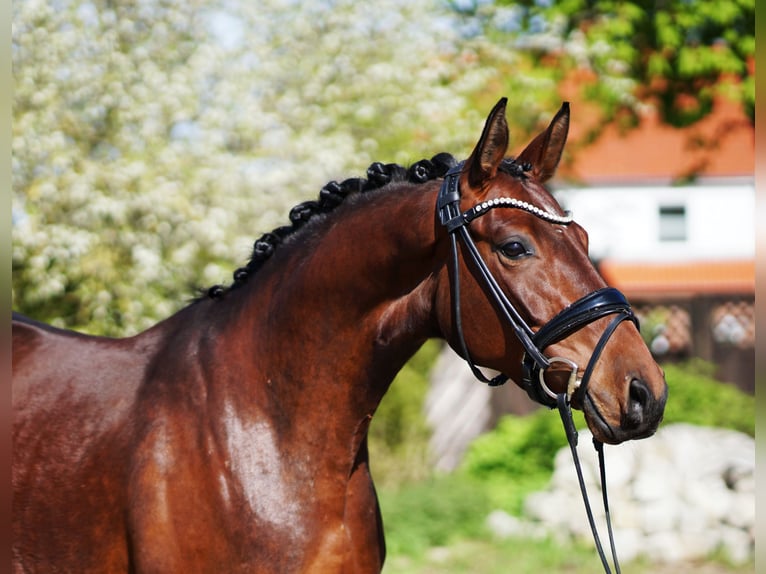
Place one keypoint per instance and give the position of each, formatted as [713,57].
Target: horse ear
[482,165]
[544,152]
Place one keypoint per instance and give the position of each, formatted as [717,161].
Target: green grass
[434,512]
[437,526]
[496,557]
[537,557]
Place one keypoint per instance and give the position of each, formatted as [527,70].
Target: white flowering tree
[154,141]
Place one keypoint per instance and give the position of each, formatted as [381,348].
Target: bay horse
[232,436]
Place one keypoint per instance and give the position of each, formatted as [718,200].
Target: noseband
[586,310]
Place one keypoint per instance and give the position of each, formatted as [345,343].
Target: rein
[593,306]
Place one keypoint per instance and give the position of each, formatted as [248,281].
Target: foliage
[398,436]
[518,446]
[433,512]
[695,397]
[678,55]
[516,457]
[153,141]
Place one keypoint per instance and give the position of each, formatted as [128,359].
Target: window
[672,223]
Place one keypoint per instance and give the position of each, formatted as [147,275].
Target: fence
[717,328]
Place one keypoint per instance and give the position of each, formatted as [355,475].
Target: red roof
[720,145]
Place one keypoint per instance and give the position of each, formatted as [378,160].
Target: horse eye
[513,250]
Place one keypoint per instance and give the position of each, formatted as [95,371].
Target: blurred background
[153,141]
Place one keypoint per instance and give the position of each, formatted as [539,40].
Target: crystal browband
[478,209]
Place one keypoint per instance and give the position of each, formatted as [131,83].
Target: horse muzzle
[639,417]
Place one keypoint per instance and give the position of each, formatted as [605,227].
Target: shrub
[516,458]
[695,397]
[399,434]
[432,513]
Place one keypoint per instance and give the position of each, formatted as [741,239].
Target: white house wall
[623,223]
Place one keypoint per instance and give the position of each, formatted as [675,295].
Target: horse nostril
[640,395]
[640,398]
[643,411]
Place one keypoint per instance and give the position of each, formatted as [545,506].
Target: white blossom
[153,141]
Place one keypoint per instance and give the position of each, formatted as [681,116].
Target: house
[670,215]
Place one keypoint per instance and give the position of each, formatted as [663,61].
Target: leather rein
[595,305]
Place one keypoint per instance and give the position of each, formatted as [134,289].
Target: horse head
[521,295]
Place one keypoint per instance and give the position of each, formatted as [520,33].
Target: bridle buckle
[572,384]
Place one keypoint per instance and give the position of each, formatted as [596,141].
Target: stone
[629,543]
[660,516]
[675,497]
[697,545]
[503,525]
[664,547]
[710,497]
[737,544]
[694,520]
[550,508]
[741,512]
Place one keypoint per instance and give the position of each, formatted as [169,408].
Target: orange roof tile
[720,145]
[681,279]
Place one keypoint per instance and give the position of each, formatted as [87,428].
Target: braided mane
[332,195]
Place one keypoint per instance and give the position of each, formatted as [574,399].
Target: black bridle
[595,305]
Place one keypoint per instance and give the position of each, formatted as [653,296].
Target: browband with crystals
[449,198]
[479,209]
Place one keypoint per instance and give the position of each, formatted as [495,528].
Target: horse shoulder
[179,502]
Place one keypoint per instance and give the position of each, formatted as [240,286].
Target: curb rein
[602,302]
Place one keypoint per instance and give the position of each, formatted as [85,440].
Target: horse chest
[237,501]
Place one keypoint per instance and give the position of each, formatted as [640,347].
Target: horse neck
[329,321]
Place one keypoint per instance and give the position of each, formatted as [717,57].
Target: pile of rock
[678,496]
